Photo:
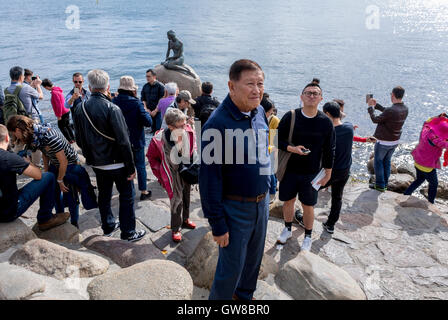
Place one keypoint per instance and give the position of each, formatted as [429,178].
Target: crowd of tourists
[246,151]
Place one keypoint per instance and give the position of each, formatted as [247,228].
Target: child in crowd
[433,139]
[60,111]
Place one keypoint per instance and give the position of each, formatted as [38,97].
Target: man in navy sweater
[234,180]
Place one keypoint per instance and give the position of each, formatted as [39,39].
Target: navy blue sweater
[248,176]
[136,118]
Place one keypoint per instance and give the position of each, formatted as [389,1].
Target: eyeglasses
[312,93]
[78,81]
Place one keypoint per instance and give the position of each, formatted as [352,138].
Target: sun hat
[127,83]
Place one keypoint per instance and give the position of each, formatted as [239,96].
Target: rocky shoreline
[385,246]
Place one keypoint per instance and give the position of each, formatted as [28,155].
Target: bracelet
[59,181]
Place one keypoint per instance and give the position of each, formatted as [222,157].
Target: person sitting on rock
[179,136]
[433,139]
[59,158]
[14,202]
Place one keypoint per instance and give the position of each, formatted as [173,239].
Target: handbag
[189,172]
[283,156]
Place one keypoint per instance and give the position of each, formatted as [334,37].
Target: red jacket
[159,164]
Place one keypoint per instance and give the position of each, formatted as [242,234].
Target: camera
[33,78]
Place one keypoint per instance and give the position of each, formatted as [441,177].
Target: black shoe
[299,218]
[109,233]
[328,228]
[75,224]
[135,236]
[146,196]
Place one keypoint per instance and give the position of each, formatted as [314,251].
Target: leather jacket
[390,121]
[109,120]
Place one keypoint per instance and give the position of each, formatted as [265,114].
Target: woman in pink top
[433,139]
[60,111]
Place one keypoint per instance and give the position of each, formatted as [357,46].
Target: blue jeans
[76,177]
[140,165]
[42,189]
[381,163]
[431,177]
[239,263]
[105,180]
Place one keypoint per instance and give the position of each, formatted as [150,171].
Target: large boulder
[149,280]
[276,209]
[399,182]
[371,168]
[65,233]
[184,82]
[13,233]
[53,260]
[202,263]
[17,283]
[309,277]
[123,253]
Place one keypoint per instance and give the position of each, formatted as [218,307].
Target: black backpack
[13,105]
[205,113]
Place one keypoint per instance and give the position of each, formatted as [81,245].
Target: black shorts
[293,184]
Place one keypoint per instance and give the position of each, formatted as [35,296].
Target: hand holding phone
[368,97]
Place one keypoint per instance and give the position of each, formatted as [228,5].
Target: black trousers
[337,181]
[66,128]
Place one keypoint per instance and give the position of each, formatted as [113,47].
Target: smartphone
[368,97]
[306,151]
[76,90]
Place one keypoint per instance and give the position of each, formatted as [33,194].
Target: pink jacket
[429,149]
[159,164]
[58,102]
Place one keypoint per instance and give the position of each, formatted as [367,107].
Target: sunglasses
[78,81]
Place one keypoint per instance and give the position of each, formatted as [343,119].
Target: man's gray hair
[173,116]
[171,88]
[98,79]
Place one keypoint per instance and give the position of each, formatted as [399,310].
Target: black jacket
[109,120]
[390,121]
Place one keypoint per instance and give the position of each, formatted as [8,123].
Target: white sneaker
[285,235]
[306,244]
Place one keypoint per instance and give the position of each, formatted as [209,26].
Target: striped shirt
[52,142]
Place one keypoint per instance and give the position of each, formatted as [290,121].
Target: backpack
[205,113]
[13,105]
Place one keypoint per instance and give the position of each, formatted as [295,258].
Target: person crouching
[167,149]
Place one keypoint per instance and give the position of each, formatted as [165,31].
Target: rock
[276,209]
[268,266]
[202,263]
[309,277]
[123,253]
[404,255]
[18,283]
[12,233]
[413,202]
[53,260]
[371,169]
[154,217]
[408,168]
[149,280]
[442,190]
[268,290]
[399,182]
[65,233]
[184,82]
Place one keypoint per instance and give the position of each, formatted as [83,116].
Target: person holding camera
[78,93]
[388,132]
[167,149]
[312,149]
